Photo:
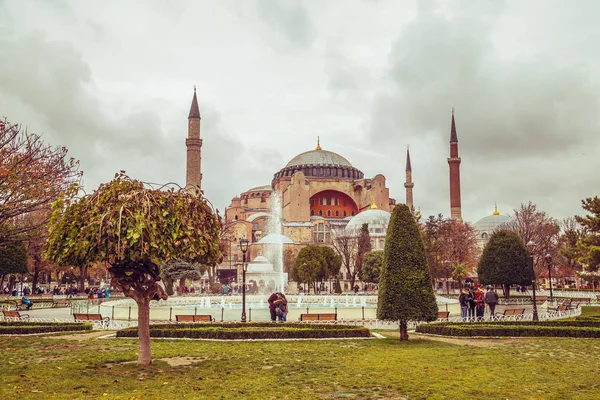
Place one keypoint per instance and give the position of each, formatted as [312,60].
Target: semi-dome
[320,163]
[261,260]
[275,238]
[378,220]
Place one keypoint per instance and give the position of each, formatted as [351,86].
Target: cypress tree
[405,291]
[505,261]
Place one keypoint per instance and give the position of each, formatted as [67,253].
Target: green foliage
[405,291]
[338,286]
[26,327]
[504,261]
[371,267]
[590,244]
[260,330]
[364,245]
[575,329]
[13,258]
[176,269]
[315,263]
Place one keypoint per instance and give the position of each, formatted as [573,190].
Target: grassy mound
[26,327]
[580,328]
[264,330]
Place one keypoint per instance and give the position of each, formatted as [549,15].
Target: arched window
[329,213]
[312,212]
[337,213]
[345,214]
[352,213]
[255,226]
[321,213]
[236,217]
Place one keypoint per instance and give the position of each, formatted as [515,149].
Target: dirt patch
[461,341]
[81,336]
[173,361]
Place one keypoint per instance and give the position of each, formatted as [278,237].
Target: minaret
[454,163]
[409,183]
[193,176]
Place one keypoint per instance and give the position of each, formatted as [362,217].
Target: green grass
[548,368]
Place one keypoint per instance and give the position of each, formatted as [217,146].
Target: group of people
[278,306]
[473,301]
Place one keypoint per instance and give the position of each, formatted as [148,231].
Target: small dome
[257,215]
[377,220]
[490,223]
[318,157]
[261,260]
[261,188]
[275,238]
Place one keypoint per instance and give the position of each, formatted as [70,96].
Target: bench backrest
[562,308]
[88,317]
[540,298]
[443,314]
[193,318]
[318,317]
[11,314]
[514,311]
[584,300]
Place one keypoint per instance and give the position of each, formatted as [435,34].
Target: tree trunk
[145,354]
[506,291]
[168,282]
[34,281]
[403,330]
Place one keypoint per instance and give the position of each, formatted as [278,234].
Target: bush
[566,328]
[265,330]
[26,327]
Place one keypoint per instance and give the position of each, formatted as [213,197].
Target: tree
[13,260]
[176,269]
[459,272]
[533,225]
[315,263]
[135,229]
[346,244]
[505,261]
[590,244]
[405,291]
[32,176]
[363,246]
[433,246]
[371,267]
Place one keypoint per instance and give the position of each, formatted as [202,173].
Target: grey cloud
[290,19]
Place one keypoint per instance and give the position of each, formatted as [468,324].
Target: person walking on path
[271,301]
[491,299]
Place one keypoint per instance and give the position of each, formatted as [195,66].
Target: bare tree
[32,175]
[346,244]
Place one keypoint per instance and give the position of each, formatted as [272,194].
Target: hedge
[250,331]
[24,327]
[577,329]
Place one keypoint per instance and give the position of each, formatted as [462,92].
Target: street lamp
[531,247]
[447,273]
[549,264]
[244,243]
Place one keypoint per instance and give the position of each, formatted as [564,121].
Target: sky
[113,81]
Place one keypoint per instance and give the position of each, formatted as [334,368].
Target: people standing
[281,307]
[463,299]
[479,303]
[471,299]
[491,299]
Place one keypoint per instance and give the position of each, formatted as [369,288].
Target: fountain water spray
[277,248]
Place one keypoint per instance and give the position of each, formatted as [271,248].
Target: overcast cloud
[113,82]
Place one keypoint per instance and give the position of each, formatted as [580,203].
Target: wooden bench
[582,300]
[561,308]
[105,321]
[14,314]
[443,314]
[512,312]
[194,318]
[540,299]
[318,317]
[61,302]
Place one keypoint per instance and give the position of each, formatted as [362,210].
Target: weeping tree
[134,229]
[405,291]
[13,260]
[180,270]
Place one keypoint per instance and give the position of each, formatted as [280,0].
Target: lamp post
[447,273]
[244,247]
[531,247]
[549,264]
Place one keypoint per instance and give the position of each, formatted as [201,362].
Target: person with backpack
[26,302]
[479,303]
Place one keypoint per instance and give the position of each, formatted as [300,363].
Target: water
[277,248]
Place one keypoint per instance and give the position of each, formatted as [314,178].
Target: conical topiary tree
[505,262]
[405,291]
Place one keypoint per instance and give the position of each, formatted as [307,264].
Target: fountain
[277,248]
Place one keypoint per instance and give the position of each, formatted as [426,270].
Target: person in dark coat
[272,306]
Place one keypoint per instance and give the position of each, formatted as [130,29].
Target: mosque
[317,194]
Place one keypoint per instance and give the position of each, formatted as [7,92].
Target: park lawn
[58,368]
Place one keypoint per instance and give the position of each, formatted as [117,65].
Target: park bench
[194,318]
[561,308]
[515,313]
[104,321]
[318,317]
[443,314]
[567,303]
[540,299]
[14,314]
[583,300]
[61,303]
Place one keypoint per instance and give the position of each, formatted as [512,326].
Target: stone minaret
[409,183]
[193,176]
[454,163]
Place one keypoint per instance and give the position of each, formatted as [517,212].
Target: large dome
[491,222]
[318,157]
